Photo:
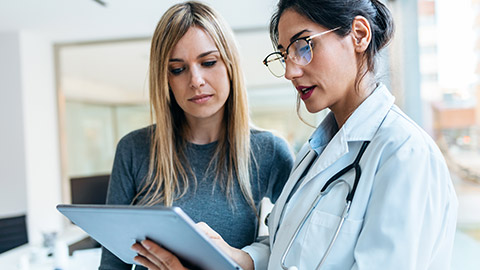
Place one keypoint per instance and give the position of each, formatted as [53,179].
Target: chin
[313,109]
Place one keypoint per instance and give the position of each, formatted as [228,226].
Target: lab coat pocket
[318,236]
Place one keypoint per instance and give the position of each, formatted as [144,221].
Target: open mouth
[306,90]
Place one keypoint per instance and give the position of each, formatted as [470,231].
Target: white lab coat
[403,215]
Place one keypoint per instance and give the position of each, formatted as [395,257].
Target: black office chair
[88,190]
[13,232]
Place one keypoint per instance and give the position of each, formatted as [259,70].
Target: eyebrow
[294,37]
[198,57]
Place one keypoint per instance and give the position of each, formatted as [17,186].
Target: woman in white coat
[402,205]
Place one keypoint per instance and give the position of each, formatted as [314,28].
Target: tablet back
[117,228]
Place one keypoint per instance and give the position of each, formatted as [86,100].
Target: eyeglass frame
[285,53]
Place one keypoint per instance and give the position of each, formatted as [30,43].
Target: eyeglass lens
[276,64]
[299,52]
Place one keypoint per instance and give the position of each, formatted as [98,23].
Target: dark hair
[340,13]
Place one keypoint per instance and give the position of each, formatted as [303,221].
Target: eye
[304,50]
[209,63]
[176,71]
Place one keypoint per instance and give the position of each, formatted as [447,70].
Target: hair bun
[385,24]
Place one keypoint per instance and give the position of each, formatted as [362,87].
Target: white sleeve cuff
[260,254]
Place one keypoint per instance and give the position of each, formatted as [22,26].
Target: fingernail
[146,245]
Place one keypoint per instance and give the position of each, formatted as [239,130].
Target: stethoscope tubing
[325,190]
[345,212]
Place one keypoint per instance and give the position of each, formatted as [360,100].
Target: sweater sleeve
[121,190]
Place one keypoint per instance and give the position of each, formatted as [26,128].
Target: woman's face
[198,76]
[329,79]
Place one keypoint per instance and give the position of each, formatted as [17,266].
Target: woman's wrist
[243,259]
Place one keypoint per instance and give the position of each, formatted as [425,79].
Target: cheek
[176,85]
[335,67]
[347,61]
[176,96]
[226,91]
[222,81]
[335,59]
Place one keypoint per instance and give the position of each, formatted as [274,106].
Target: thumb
[207,230]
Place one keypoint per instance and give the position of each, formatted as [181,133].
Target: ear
[362,33]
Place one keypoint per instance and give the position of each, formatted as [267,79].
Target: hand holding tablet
[117,228]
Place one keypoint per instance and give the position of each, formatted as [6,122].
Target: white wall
[12,150]
[29,155]
[41,135]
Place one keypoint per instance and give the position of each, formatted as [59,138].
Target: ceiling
[103,51]
[86,20]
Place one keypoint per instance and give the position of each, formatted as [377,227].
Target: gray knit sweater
[233,219]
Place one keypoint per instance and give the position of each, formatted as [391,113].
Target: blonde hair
[232,155]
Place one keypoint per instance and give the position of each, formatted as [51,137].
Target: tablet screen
[118,227]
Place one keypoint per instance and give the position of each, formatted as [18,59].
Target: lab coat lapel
[361,126]
[336,149]
[306,155]
[303,158]
[303,153]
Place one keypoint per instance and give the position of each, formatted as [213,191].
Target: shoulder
[269,148]
[407,159]
[267,140]
[131,160]
[139,135]
[136,140]
[401,136]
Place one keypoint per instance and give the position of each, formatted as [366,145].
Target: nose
[292,70]
[196,78]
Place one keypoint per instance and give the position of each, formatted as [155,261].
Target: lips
[199,99]
[305,91]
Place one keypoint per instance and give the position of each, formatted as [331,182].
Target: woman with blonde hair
[201,154]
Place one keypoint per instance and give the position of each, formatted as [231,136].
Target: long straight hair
[167,178]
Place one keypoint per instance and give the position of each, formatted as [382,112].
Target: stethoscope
[332,182]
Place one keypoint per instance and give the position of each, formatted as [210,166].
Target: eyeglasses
[301,54]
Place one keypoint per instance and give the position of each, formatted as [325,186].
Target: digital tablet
[118,227]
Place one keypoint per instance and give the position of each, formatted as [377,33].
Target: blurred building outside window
[449,39]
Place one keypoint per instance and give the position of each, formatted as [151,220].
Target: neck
[343,111]
[203,131]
